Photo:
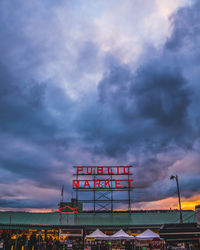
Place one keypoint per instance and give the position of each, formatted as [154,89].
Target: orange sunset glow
[172,202]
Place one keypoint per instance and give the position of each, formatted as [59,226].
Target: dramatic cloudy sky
[99,83]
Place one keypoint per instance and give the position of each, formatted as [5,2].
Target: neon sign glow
[74,210]
[101,183]
[97,179]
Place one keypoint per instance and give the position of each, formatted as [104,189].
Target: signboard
[98,182]
[102,184]
[71,232]
[90,239]
[102,181]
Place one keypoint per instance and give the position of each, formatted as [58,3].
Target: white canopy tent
[98,235]
[121,235]
[147,235]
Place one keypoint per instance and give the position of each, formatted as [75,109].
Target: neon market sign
[102,177]
[70,210]
[98,180]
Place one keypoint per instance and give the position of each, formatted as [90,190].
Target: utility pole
[62,193]
[179,197]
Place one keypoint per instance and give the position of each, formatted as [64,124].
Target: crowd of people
[49,243]
[36,243]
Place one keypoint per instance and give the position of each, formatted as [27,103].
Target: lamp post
[179,198]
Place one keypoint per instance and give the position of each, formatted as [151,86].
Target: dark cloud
[148,109]
[34,115]
[29,131]
[163,189]
[25,203]
[154,92]
[147,112]
[148,116]
[161,95]
[186,30]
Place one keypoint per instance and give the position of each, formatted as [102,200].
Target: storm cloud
[81,86]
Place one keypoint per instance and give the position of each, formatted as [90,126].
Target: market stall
[97,235]
[97,240]
[122,240]
[149,239]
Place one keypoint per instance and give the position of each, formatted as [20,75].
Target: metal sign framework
[103,195]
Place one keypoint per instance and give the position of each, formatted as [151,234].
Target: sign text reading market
[98,182]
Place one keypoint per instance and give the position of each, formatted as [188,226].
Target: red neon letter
[86,184]
[128,172]
[79,169]
[75,185]
[117,184]
[90,170]
[117,169]
[107,182]
[97,183]
[99,170]
[109,171]
[129,182]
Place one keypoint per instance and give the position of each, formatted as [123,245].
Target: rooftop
[55,219]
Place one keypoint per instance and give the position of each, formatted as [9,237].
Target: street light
[179,198]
